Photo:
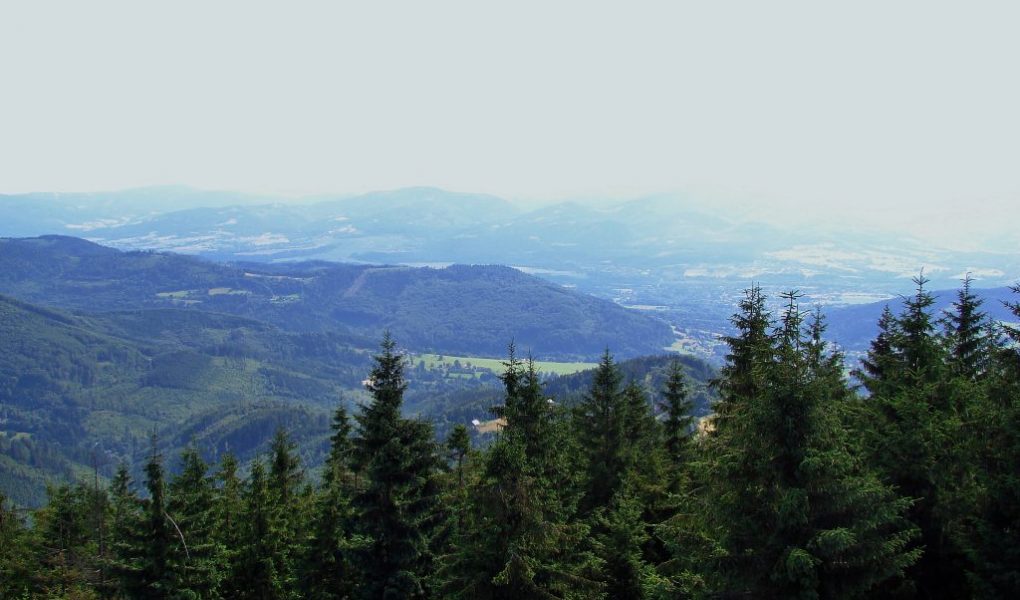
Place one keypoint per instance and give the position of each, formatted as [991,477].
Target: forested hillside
[83,391]
[461,309]
[796,487]
[79,392]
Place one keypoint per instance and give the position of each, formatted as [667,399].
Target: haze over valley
[461,300]
[670,256]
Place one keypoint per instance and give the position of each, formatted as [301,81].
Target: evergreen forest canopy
[797,487]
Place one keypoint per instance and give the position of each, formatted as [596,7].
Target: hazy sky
[899,110]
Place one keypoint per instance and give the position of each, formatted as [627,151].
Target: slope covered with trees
[456,310]
[796,487]
[82,391]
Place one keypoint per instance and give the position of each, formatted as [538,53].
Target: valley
[664,255]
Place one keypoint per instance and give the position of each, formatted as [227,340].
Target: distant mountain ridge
[670,256]
[671,233]
[854,327]
[456,310]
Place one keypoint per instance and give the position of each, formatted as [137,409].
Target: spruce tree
[601,423]
[230,524]
[62,527]
[328,566]
[200,559]
[126,537]
[750,349]
[878,366]
[620,534]
[288,504]
[261,572]
[678,408]
[519,541]
[967,333]
[158,534]
[993,533]
[341,449]
[17,560]
[398,459]
[914,441]
[459,444]
[801,516]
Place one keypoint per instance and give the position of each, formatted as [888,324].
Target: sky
[873,112]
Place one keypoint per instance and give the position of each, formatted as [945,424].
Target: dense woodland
[801,485]
[463,310]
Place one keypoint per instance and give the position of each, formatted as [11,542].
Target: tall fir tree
[914,440]
[750,349]
[288,504]
[801,517]
[158,534]
[601,424]
[967,332]
[397,459]
[992,538]
[879,363]
[678,408]
[261,573]
[230,524]
[126,537]
[67,552]
[519,541]
[199,558]
[328,571]
[17,561]
[458,444]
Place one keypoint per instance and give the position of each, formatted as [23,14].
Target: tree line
[898,480]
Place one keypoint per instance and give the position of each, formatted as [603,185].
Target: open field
[495,365]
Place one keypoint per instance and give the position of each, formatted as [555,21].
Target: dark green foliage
[797,488]
[750,350]
[290,504]
[125,534]
[67,548]
[878,365]
[919,408]
[158,535]
[620,534]
[916,347]
[678,409]
[992,539]
[458,444]
[603,420]
[341,449]
[231,525]
[74,387]
[967,332]
[397,459]
[801,516]
[650,372]
[328,570]
[145,540]
[261,569]
[200,558]
[16,561]
[517,540]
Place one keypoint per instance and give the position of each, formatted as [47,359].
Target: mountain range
[460,309]
[678,259]
[103,351]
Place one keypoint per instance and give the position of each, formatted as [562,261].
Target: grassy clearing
[178,295]
[495,365]
[225,291]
